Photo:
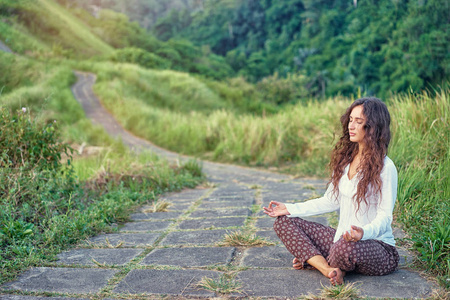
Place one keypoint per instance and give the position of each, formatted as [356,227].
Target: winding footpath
[4,48]
[166,254]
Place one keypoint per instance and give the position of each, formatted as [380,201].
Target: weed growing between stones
[344,291]
[158,206]
[225,284]
[242,238]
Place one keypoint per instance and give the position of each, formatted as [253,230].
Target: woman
[363,187]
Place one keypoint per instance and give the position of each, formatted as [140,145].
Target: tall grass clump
[421,150]
[44,207]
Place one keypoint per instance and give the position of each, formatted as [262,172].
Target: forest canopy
[340,46]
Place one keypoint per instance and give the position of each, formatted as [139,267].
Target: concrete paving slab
[146,226]
[62,280]
[168,282]
[265,222]
[126,239]
[226,193]
[118,257]
[269,235]
[187,194]
[179,206]
[155,216]
[212,223]
[224,204]
[198,237]
[173,207]
[400,284]
[281,283]
[406,257]
[190,256]
[267,257]
[209,213]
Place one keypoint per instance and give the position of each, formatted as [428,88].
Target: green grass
[72,31]
[37,226]
[19,39]
[45,29]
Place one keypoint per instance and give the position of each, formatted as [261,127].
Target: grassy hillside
[74,32]
[44,28]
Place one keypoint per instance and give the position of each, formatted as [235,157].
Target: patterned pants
[305,239]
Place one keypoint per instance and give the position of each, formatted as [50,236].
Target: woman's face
[356,124]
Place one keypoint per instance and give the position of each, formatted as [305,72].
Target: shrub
[25,143]
[140,57]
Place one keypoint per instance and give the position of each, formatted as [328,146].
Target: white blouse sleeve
[317,206]
[383,219]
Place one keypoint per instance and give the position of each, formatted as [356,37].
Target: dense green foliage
[44,207]
[340,46]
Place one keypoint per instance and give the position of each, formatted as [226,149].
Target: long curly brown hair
[376,141]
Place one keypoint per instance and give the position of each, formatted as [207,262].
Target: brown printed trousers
[305,239]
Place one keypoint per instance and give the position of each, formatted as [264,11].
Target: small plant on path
[343,291]
[241,238]
[225,284]
[159,206]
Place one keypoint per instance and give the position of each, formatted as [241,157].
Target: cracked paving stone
[269,235]
[62,280]
[125,239]
[212,223]
[146,226]
[220,213]
[198,237]
[168,282]
[155,216]
[400,284]
[281,283]
[190,257]
[224,204]
[267,257]
[118,257]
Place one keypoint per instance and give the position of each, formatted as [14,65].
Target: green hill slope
[43,26]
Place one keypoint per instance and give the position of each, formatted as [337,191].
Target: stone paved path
[4,48]
[166,254]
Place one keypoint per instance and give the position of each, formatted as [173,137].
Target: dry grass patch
[241,238]
[225,284]
[343,291]
[158,206]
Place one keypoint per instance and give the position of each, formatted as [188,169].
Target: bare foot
[336,276]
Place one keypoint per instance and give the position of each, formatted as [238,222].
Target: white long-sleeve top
[376,220]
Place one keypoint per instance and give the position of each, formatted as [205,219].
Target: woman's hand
[354,234]
[276,209]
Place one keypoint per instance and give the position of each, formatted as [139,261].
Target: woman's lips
[352,134]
